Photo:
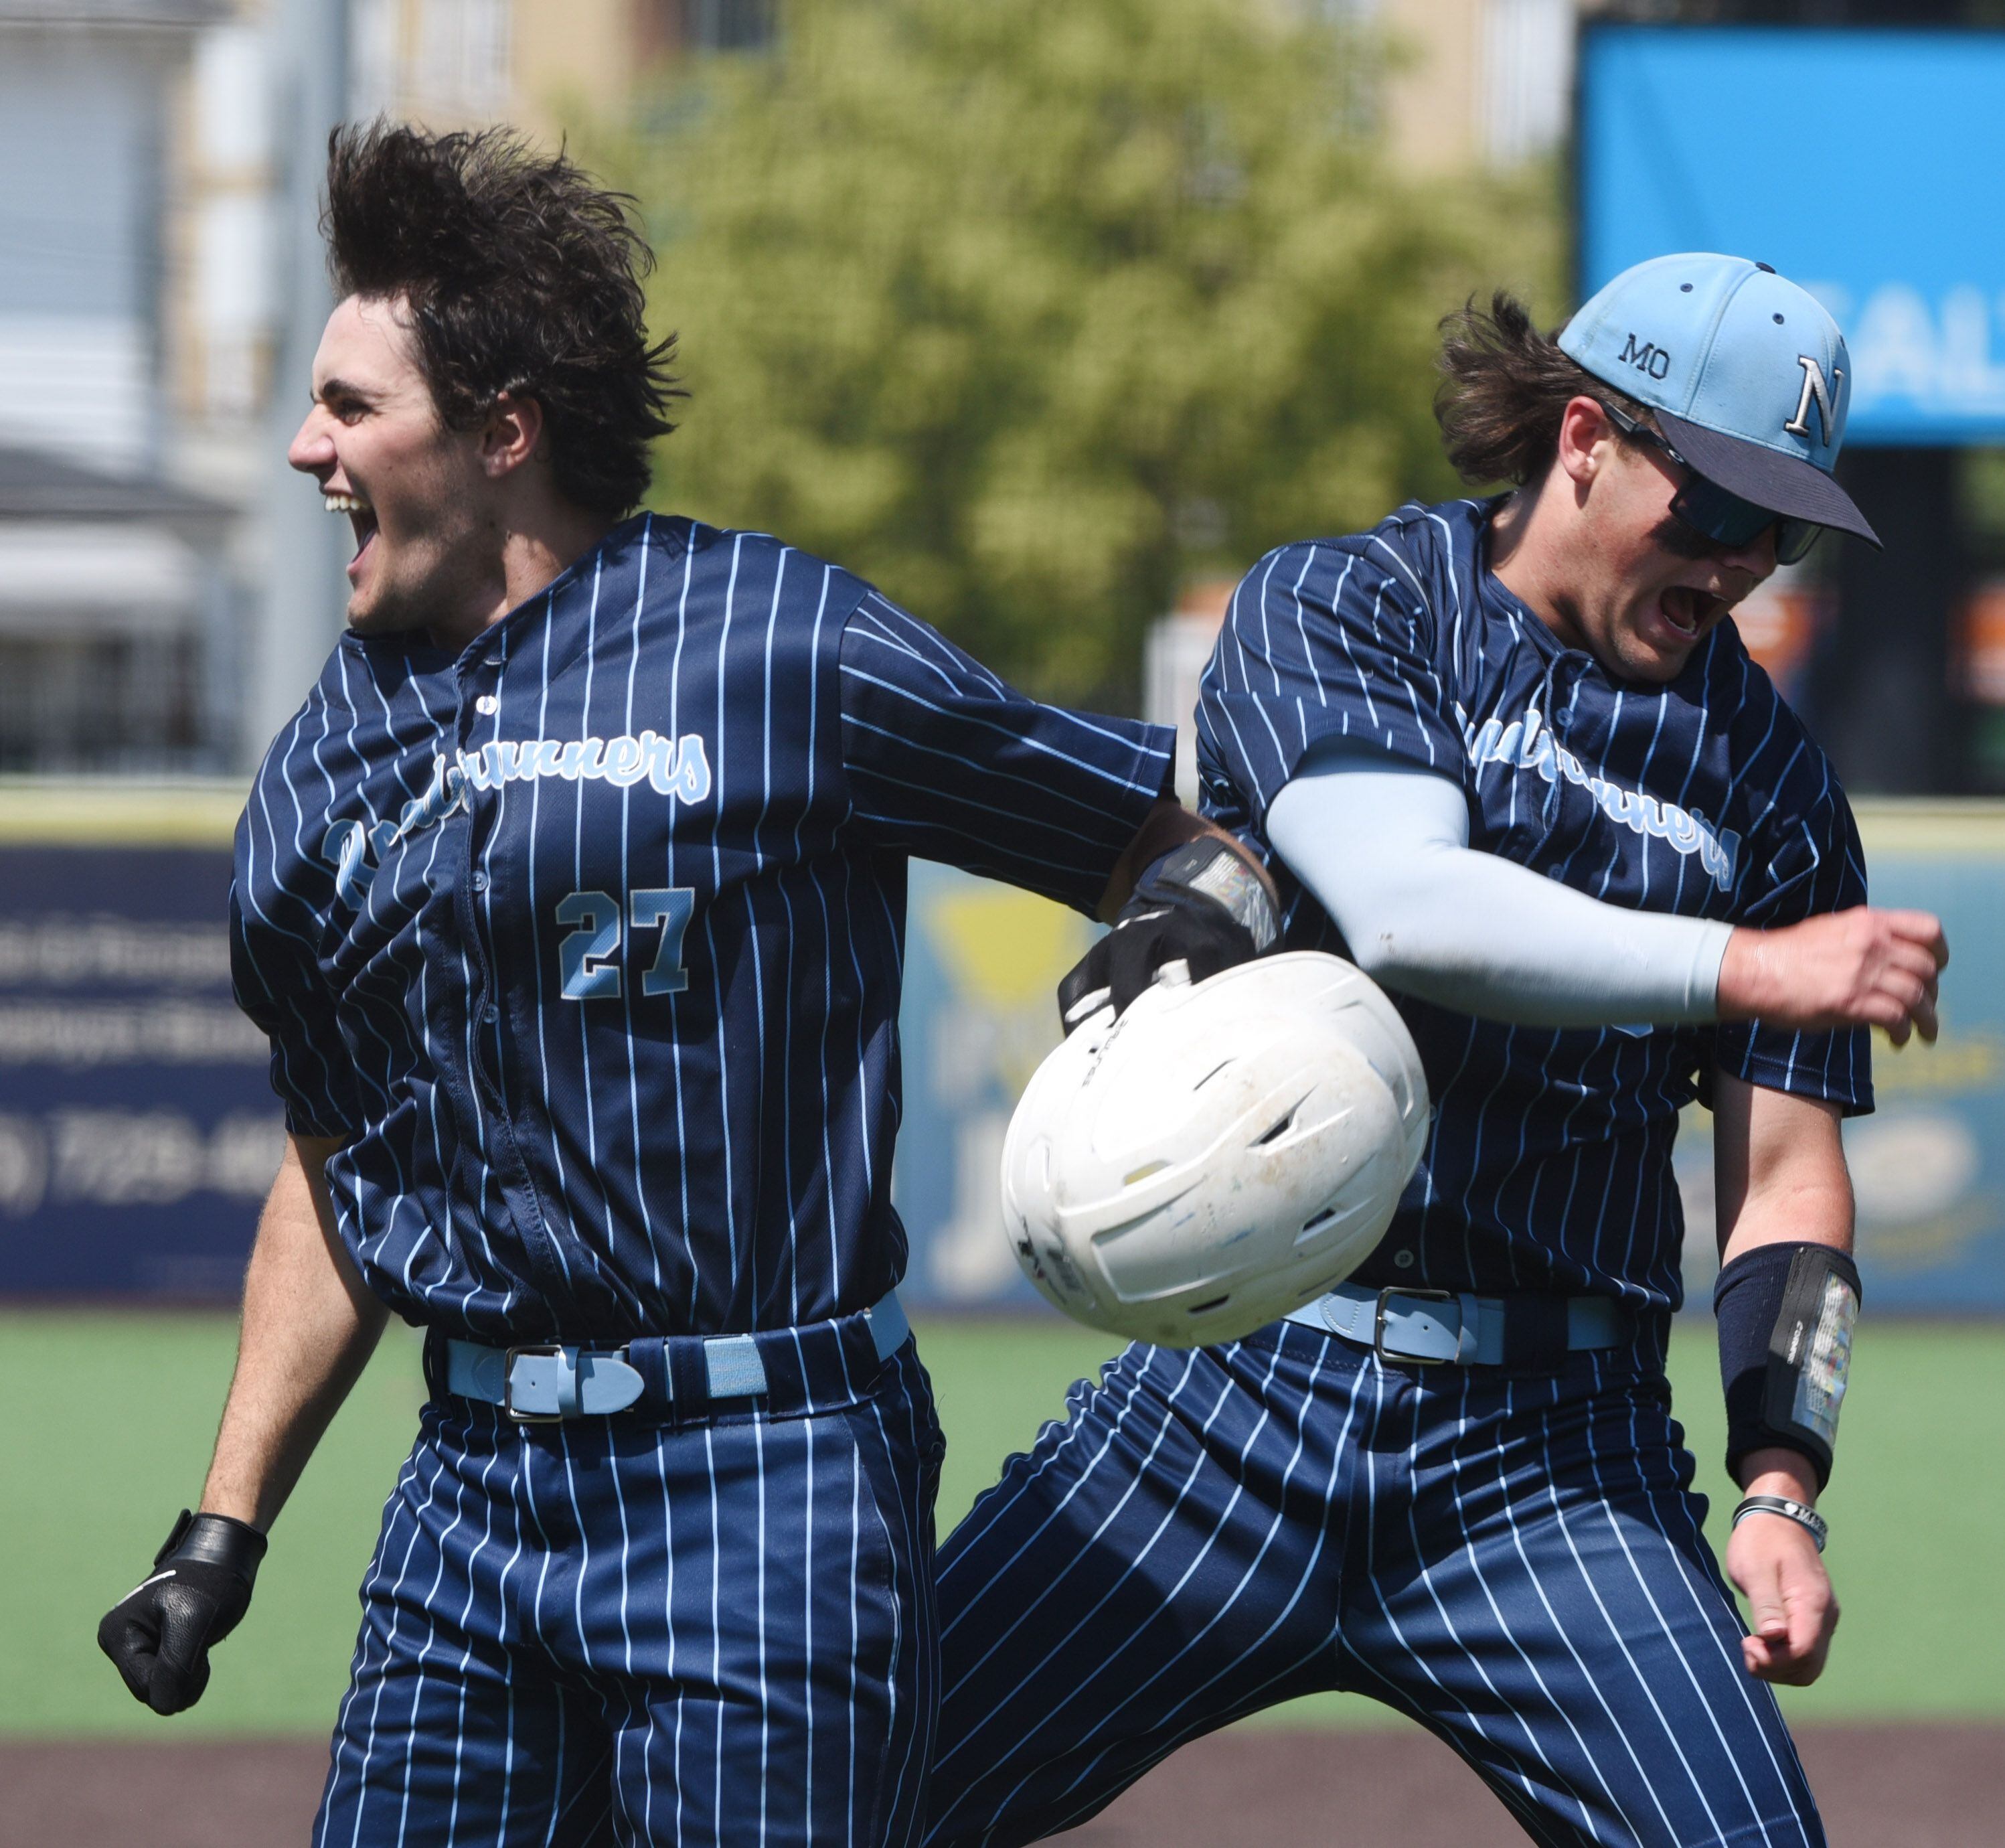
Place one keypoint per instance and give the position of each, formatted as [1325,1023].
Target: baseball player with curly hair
[1510,755]
[573,902]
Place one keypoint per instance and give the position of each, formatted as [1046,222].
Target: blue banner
[1928,1166]
[138,1133]
[1854,161]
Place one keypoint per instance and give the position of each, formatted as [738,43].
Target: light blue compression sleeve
[1384,847]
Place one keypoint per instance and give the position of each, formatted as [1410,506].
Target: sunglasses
[1724,520]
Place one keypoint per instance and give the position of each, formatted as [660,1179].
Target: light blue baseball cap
[1747,374]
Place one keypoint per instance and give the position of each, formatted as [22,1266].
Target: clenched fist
[159,1633]
[1861,967]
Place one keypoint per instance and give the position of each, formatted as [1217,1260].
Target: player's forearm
[1775,1471]
[308,1328]
[1778,1170]
[1384,852]
[1812,1209]
[1806,1208]
[1779,1179]
[1483,936]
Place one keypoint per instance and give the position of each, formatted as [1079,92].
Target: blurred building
[541,64]
[1476,83]
[157,164]
[117,613]
[535,63]
[117,618]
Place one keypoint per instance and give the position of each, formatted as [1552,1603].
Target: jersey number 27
[587,955]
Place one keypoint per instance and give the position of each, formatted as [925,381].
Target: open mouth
[1689,611]
[361,516]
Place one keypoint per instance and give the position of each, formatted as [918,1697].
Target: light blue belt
[1437,1325]
[544,1383]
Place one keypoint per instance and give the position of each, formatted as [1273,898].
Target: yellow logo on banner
[1006,949]
[1002,952]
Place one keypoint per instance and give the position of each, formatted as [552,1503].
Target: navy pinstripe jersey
[589,939]
[1550,1162]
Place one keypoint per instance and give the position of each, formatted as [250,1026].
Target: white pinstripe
[1168,1667]
[675,1680]
[1127,1403]
[855,1633]
[588,1092]
[1726,1654]
[425,1649]
[389,1641]
[466,1655]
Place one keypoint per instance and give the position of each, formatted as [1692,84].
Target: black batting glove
[159,1633]
[1201,904]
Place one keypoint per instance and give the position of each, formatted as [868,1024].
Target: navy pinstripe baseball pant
[614,1630]
[1516,1562]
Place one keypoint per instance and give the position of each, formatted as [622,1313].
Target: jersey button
[487,705]
[479,882]
[491,1013]
[1404,1259]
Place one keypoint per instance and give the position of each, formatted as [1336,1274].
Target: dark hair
[1505,389]
[521,277]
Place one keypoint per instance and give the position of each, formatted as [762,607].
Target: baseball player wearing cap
[1511,755]
[572,901]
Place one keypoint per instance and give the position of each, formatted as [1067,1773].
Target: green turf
[105,1423]
[106,1429]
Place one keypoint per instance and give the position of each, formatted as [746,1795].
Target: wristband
[1802,1514]
[1208,868]
[214,1539]
[1786,1313]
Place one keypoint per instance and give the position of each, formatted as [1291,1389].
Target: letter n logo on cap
[1818,387]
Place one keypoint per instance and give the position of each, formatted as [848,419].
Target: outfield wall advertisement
[138,1130]
[1928,1166]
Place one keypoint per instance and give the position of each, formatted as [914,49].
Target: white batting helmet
[1218,1155]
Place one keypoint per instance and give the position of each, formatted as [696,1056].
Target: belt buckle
[1378,1325]
[545,1350]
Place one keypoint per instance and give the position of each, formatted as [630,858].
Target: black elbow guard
[1786,1313]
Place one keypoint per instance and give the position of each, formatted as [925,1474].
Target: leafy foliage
[1031,310]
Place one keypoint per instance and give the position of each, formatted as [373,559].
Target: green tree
[1031,310]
